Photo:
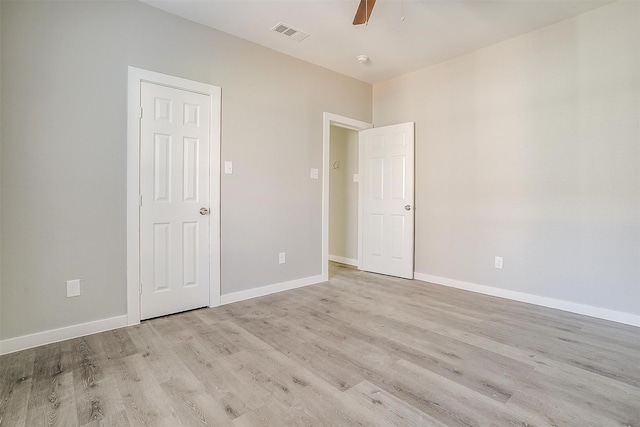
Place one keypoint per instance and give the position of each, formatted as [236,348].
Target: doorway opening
[385,218]
[331,122]
[343,195]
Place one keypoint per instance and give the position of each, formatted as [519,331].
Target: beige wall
[530,150]
[63,130]
[343,193]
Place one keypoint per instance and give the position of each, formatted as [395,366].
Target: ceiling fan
[364,12]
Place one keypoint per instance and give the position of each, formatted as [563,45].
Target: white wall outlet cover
[499,262]
[282,258]
[314,173]
[73,288]
[356,177]
[228,167]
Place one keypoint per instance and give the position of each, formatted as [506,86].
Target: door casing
[135,77]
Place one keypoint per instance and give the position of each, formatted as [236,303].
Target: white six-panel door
[387,176]
[174,212]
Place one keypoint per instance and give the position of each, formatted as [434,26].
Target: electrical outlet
[498,262]
[281,258]
[73,288]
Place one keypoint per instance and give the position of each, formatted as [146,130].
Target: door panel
[174,184]
[388,199]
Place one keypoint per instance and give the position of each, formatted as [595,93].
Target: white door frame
[329,119]
[135,77]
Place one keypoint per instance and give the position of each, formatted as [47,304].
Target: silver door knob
[204,211]
[407,207]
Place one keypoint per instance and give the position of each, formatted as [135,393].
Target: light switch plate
[499,262]
[356,177]
[282,258]
[314,173]
[228,167]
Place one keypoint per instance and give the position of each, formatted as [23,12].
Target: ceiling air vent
[289,32]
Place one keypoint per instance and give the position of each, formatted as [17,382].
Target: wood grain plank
[389,408]
[489,373]
[616,364]
[297,388]
[567,396]
[222,385]
[97,395]
[275,413]
[59,406]
[260,365]
[116,344]
[156,351]
[446,401]
[193,405]
[323,360]
[52,395]
[144,401]
[118,419]
[15,386]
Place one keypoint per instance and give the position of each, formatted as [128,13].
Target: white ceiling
[432,32]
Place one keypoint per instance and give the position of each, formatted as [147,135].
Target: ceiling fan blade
[364,12]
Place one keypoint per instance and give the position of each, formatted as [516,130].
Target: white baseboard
[55,335]
[342,260]
[572,307]
[269,289]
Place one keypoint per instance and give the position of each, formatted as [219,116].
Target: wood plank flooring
[362,349]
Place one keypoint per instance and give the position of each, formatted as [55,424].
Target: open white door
[386,172]
[174,188]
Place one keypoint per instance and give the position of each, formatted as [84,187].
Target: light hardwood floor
[362,349]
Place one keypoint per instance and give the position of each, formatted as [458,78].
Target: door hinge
[140,290]
[140,200]
[140,112]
